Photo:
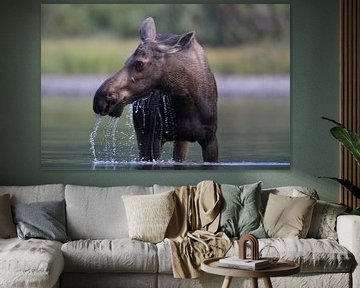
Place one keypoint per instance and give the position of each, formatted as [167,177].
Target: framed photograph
[165,86]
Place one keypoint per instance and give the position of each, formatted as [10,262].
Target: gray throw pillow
[240,213]
[44,220]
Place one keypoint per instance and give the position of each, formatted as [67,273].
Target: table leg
[267,283]
[227,282]
[254,282]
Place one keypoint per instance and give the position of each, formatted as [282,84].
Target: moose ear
[185,40]
[148,30]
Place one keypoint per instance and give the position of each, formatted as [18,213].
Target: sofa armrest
[348,230]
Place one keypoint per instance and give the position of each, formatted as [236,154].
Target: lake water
[253,129]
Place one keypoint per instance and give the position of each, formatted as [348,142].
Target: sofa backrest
[162,188]
[36,193]
[98,212]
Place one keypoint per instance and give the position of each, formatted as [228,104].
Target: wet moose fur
[173,92]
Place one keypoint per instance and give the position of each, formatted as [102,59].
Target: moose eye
[139,66]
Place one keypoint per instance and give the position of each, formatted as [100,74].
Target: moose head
[143,72]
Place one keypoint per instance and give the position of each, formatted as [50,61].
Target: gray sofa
[101,254]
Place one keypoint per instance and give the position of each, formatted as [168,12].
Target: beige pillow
[288,217]
[149,215]
[7,226]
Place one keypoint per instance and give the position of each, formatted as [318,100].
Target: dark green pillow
[240,210]
[44,220]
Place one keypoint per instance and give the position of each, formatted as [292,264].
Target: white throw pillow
[149,215]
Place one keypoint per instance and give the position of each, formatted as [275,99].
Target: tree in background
[215,24]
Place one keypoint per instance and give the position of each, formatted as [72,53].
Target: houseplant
[351,141]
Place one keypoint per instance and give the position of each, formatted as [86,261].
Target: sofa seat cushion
[313,255]
[30,263]
[110,255]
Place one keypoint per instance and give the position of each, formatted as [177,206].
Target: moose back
[173,91]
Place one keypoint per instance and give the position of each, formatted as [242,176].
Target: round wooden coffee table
[281,268]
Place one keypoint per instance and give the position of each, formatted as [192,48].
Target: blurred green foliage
[98,55]
[215,24]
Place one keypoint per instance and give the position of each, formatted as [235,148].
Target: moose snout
[108,104]
[100,103]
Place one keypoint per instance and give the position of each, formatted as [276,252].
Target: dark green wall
[314,86]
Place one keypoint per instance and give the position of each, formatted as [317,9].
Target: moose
[167,79]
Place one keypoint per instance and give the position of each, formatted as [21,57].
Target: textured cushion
[117,255]
[240,210]
[7,226]
[287,216]
[44,220]
[98,213]
[30,263]
[323,223]
[149,215]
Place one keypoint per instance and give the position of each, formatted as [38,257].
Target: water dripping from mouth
[109,141]
[93,134]
[110,147]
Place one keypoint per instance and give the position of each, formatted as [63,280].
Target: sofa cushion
[109,280]
[148,215]
[240,210]
[287,216]
[44,220]
[98,213]
[313,255]
[323,222]
[36,193]
[30,263]
[117,255]
[164,257]
[163,188]
[7,226]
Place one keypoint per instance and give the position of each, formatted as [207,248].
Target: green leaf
[355,211]
[348,138]
[347,184]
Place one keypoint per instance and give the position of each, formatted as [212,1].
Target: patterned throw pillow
[149,215]
[323,223]
[240,213]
